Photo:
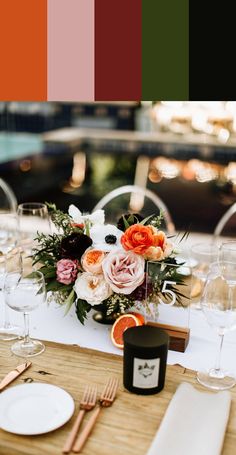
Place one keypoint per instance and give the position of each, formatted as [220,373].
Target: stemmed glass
[228,251]
[10,260]
[8,231]
[25,294]
[32,218]
[227,260]
[219,306]
[201,256]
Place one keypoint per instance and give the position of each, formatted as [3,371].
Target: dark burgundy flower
[74,246]
[131,218]
[144,290]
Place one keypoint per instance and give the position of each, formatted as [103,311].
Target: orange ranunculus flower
[154,253]
[147,241]
[92,261]
[161,250]
[139,238]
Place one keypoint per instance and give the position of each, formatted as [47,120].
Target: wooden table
[126,428]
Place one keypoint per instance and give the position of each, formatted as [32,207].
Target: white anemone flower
[97,217]
[106,237]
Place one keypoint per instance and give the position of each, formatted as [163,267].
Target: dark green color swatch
[165,50]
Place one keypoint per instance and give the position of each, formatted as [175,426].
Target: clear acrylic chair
[8,202]
[226,226]
[134,199]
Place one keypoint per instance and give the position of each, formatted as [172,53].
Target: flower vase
[102,317]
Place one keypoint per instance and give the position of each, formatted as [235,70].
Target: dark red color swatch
[118,50]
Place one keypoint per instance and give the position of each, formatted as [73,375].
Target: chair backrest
[133,203]
[8,200]
[227,218]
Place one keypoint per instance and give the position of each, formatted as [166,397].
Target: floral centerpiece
[90,264]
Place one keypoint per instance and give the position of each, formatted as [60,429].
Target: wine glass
[8,231]
[32,218]
[228,251]
[227,261]
[8,238]
[25,294]
[219,307]
[10,262]
[202,255]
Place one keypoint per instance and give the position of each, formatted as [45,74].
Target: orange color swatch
[23,50]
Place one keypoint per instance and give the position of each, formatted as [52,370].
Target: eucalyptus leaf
[69,301]
[148,218]
[126,224]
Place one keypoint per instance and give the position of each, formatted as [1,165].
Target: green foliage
[153,220]
[117,303]
[48,271]
[183,237]
[69,301]
[61,220]
[126,222]
[48,251]
[55,286]
[82,308]
[156,220]
[165,273]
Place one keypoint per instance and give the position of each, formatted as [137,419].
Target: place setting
[39,408]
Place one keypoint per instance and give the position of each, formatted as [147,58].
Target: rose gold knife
[14,374]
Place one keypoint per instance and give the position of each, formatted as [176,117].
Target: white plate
[35,408]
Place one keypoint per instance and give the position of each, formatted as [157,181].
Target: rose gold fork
[87,403]
[106,399]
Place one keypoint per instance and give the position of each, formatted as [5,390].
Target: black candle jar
[145,354]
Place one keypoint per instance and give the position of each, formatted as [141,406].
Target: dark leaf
[82,308]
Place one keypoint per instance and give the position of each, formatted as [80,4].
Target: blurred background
[185,152]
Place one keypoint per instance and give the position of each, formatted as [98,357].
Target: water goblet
[25,294]
[202,255]
[228,251]
[33,217]
[218,303]
[8,231]
[10,262]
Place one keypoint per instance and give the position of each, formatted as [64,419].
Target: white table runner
[49,323]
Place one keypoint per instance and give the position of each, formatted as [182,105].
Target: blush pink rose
[67,270]
[123,271]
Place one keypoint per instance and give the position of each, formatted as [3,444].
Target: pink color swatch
[70,50]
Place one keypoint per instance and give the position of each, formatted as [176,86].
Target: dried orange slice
[121,324]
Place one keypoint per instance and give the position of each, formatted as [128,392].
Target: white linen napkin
[194,423]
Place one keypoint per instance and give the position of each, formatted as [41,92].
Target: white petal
[97,217]
[75,213]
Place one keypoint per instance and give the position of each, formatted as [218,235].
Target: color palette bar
[118,44]
[23,50]
[70,50]
[165,53]
[94,50]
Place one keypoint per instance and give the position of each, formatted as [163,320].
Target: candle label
[146,373]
